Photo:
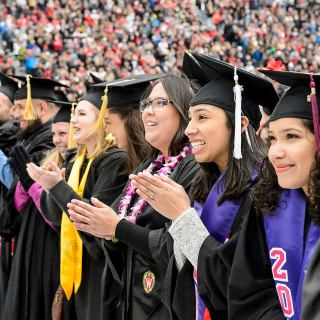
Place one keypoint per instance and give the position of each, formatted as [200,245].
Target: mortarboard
[35,88]
[255,90]
[193,70]
[235,90]
[294,103]
[64,114]
[118,93]
[95,80]
[8,86]
[41,88]
[300,100]
[65,107]
[126,93]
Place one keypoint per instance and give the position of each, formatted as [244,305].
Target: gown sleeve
[148,241]
[106,184]
[251,291]
[311,288]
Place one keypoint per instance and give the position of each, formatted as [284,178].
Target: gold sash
[71,244]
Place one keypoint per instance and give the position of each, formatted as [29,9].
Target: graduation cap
[193,70]
[64,114]
[8,86]
[35,88]
[300,100]
[65,111]
[95,80]
[255,90]
[235,90]
[121,93]
[127,93]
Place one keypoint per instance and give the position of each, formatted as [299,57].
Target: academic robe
[107,177]
[213,270]
[8,135]
[252,293]
[311,288]
[7,140]
[145,253]
[32,283]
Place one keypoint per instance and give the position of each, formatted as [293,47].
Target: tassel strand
[315,113]
[237,130]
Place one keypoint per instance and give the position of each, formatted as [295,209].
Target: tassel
[237,130]
[100,121]
[71,143]
[29,112]
[315,113]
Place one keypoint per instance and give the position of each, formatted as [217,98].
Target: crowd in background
[64,39]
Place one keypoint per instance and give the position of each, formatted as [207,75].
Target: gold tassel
[71,142]
[100,121]
[29,112]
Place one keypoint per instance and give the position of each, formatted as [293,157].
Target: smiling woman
[286,229]
[206,235]
[291,141]
[97,169]
[142,230]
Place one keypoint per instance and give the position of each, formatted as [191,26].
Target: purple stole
[289,258]
[218,220]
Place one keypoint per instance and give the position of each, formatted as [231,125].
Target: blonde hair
[103,142]
[52,155]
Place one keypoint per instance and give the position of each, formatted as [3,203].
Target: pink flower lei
[160,168]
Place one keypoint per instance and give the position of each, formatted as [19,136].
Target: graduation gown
[213,270]
[106,180]
[311,288]
[7,140]
[145,253]
[251,291]
[8,136]
[32,280]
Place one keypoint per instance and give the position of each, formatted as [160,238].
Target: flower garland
[163,169]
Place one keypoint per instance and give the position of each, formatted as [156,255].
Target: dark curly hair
[237,178]
[266,192]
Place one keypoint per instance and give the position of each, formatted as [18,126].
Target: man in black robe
[33,278]
[8,130]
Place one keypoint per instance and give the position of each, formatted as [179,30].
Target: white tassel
[237,129]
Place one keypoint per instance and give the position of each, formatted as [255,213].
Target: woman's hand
[47,176]
[97,219]
[163,194]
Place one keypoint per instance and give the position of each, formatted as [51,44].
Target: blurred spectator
[65,39]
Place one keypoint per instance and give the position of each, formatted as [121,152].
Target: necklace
[161,166]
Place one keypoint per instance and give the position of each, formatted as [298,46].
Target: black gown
[7,140]
[145,253]
[32,280]
[213,271]
[106,180]
[311,288]
[252,293]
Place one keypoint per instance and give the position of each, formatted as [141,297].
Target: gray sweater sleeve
[188,233]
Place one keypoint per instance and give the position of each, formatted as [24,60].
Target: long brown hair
[138,147]
[237,177]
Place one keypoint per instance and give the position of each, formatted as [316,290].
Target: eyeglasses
[155,104]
